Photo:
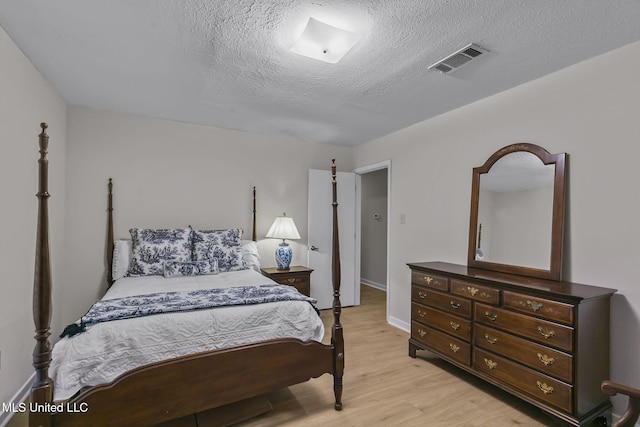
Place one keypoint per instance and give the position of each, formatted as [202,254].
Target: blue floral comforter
[171,302]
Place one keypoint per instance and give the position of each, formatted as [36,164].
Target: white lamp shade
[283,228]
[324,42]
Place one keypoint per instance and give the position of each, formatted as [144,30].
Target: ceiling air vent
[458,59]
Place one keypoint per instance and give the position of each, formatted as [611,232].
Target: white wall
[173,174]
[590,111]
[26,99]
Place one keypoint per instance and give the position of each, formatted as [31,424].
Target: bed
[202,368]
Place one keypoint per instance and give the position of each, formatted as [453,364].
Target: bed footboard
[147,395]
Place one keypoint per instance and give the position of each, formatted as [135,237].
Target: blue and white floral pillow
[225,245]
[150,249]
[190,268]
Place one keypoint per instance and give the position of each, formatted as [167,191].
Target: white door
[320,234]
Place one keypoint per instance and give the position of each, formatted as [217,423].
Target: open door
[320,214]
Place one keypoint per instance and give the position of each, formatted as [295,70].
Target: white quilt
[107,350]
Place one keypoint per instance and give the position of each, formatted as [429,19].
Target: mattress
[107,350]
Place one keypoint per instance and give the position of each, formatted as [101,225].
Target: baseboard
[393,321]
[373,284]
[20,396]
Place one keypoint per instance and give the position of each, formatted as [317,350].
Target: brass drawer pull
[473,291]
[492,340]
[428,279]
[422,295]
[490,363]
[422,313]
[455,305]
[535,306]
[491,316]
[422,333]
[454,347]
[547,333]
[546,389]
[455,326]
[546,359]
[292,280]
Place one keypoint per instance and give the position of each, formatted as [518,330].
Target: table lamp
[283,228]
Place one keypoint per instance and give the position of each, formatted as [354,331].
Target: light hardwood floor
[383,386]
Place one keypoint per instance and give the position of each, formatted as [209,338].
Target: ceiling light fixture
[324,42]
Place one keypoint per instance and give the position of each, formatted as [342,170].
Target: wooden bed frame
[185,385]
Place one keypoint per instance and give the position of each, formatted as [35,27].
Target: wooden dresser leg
[412,349]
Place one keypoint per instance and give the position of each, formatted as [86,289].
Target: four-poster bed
[179,386]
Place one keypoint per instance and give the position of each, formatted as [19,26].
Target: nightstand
[296,276]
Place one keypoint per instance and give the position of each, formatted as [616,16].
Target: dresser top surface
[560,288]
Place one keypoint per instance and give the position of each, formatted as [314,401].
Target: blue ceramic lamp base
[283,256]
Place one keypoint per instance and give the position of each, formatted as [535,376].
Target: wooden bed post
[42,389]
[110,234]
[254,235]
[337,338]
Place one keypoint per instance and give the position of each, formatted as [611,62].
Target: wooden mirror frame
[557,226]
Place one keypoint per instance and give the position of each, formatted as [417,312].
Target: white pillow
[250,254]
[121,258]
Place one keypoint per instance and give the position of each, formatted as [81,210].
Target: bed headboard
[111,232]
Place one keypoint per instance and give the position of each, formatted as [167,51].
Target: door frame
[385,164]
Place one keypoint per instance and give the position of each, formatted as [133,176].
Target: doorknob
[314,248]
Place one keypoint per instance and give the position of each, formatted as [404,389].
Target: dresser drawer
[544,359]
[429,280]
[419,293]
[537,385]
[452,325]
[544,308]
[442,343]
[302,284]
[444,302]
[542,331]
[292,280]
[476,292]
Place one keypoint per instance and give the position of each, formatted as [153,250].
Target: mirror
[517,212]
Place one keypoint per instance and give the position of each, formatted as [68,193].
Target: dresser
[545,341]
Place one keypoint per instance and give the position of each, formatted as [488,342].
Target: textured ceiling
[227,63]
